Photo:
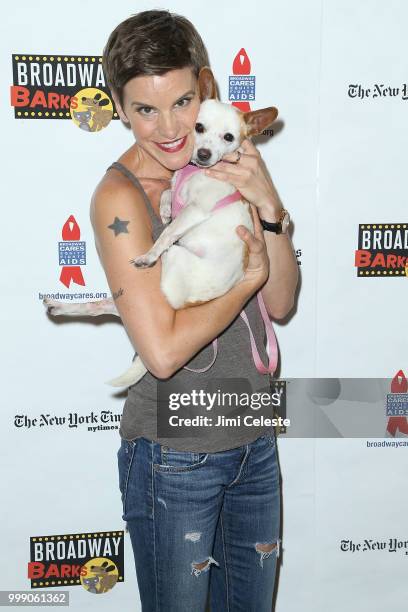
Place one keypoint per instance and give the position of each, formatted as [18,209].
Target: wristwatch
[281,226]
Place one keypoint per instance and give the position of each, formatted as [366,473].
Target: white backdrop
[337,162]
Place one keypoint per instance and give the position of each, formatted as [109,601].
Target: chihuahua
[202,256]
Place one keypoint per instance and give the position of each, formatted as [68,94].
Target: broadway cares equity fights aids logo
[93,560]
[397,406]
[241,83]
[62,87]
[71,253]
[241,90]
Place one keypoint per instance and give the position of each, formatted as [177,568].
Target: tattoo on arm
[117,294]
[119,226]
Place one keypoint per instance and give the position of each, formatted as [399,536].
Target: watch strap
[271,227]
[277,226]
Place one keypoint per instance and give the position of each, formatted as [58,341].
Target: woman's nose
[169,126]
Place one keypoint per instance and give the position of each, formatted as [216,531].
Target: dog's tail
[132,375]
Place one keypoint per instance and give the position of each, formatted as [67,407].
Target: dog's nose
[203,154]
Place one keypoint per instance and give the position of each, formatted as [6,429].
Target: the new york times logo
[221,404]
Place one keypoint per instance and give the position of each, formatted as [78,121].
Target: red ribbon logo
[71,232]
[241,65]
[399,384]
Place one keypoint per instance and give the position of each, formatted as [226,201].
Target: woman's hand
[257,271]
[250,176]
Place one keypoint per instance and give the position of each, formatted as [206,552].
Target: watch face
[285,223]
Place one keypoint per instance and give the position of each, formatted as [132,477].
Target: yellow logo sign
[101,575]
[91,109]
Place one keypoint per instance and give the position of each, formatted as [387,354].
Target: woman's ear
[119,108]
[206,84]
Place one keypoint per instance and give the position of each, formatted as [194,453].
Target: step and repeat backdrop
[336,70]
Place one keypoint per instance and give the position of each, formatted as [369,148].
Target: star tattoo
[119,227]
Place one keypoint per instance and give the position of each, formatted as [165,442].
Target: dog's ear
[206,84]
[257,121]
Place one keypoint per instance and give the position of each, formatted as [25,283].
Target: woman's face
[162,112]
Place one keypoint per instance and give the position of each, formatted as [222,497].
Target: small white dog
[209,257]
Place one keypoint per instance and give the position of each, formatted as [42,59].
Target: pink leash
[270,334]
[215,349]
[272,344]
[176,205]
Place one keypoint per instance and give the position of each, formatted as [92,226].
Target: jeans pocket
[125,457]
[172,460]
[271,437]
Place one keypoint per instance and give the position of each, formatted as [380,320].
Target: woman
[203,512]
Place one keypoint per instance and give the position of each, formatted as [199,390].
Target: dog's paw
[165,211]
[165,216]
[144,261]
[165,206]
[53,306]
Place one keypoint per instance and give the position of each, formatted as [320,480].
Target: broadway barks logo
[93,560]
[62,87]
[382,250]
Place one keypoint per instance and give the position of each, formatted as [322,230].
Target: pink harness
[176,206]
[177,203]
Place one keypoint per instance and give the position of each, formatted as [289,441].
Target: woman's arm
[164,338]
[253,180]
[279,290]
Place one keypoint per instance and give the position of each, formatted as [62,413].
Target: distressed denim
[202,524]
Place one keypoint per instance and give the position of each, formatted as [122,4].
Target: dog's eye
[199,128]
[228,137]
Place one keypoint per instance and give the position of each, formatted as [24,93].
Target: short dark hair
[151,43]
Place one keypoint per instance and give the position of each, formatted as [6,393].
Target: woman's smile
[173,146]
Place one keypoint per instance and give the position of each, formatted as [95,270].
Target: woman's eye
[228,137]
[145,110]
[199,128]
[183,102]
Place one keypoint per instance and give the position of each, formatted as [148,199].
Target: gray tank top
[234,361]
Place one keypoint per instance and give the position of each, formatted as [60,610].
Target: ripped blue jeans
[202,525]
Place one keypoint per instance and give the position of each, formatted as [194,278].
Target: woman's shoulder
[117,177]
[116,194]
